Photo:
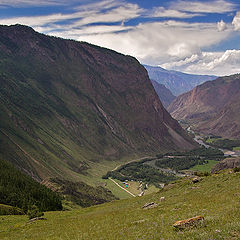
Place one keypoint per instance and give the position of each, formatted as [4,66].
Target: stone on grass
[36,219]
[149,205]
[196,180]
[189,222]
[162,199]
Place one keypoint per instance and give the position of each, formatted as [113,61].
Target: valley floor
[215,197]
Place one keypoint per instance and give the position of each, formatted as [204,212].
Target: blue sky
[191,36]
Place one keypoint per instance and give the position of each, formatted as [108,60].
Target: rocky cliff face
[66,106]
[163,93]
[212,107]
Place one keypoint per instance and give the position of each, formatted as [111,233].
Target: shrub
[236,169]
[34,212]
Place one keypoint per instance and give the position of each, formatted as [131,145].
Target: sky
[199,37]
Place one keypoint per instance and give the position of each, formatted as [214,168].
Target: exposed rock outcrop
[228,163]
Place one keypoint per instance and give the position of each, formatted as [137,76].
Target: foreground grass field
[216,197]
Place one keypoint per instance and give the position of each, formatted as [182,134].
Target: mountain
[176,82]
[71,110]
[163,93]
[213,107]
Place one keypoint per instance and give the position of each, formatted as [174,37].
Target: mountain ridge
[163,93]
[72,105]
[176,82]
[211,107]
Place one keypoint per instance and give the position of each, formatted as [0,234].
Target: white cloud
[236,22]
[222,26]
[215,63]
[182,49]
[20,3]
[173,44]
[215,6]
[159,42]
[41,20]
[88,14]
[161,12]
[89,30]
[119,14]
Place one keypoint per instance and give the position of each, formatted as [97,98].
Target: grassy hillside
[215,197]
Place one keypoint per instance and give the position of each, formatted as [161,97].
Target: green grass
[206,167]
[211,140]
[215,197]
[117,191]
[10,210]
[236,149]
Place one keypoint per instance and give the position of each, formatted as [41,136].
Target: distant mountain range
[176,82]
[69,107]
[212,108]
[163,93]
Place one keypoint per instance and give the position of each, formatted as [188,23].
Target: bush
[9,210]
[202,174]
[34,212]
[236,169]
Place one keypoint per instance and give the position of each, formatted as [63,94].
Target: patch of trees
[138,171]
[20,190]
[180,163]
[188,159]
[225,143]
[200,152]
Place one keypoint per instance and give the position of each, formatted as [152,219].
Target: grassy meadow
[205,167]
[215,197]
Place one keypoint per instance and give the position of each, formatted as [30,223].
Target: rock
[149,205]
[139,221]
[228,163]
[196,180]
[188,222]
[162,199]
[36,219]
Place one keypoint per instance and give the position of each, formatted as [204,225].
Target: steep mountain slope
[66,107]
[163,93]
[177,82]
[212,107]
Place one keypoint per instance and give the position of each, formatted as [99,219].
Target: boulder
[162,199]
[188,222]
[196,180]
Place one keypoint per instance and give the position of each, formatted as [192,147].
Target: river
[226,152]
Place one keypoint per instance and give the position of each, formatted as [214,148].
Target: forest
[20,190]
